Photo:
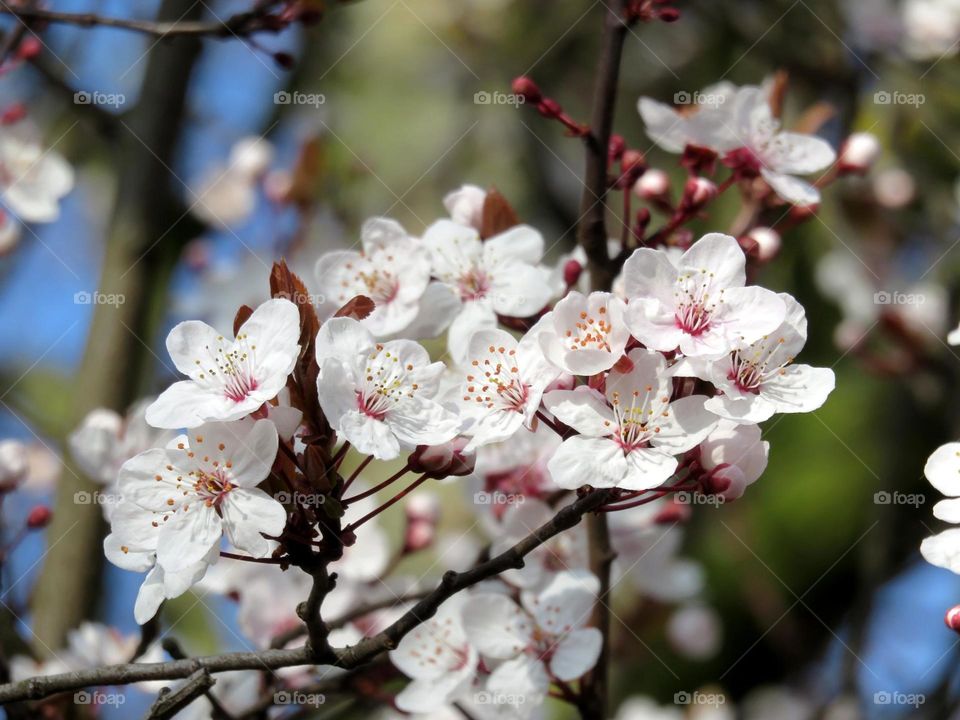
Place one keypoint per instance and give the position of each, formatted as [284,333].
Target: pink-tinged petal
[792,189]
[521,682]
[368,435]
[583,461]
[943,550]
[584,410]
[521,244]
[343,339]
[188,536]
[685,426]
[565,603]
[748,314]
[246,514]
[648,370]
[520,290]
[799,388]
[943,469]
[654,324]
[649,274]
[718,255]
[647,468]
[496,626]
[185,404]
[420,421]
[192,341]
[576,654]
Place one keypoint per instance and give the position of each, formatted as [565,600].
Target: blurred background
[814,575]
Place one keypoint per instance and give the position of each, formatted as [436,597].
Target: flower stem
[377,488]
[373,513]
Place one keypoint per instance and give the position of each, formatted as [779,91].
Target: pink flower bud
[698,192]
[29,48]
[572,270]
[652,185]
[13,114]
[859,152]
[423,507]
[616,147]
[673,513]
[526,88]
[419,536]
[441,461]
[763,242]
[952,618]
[632,162]
[39,517]
[549,108]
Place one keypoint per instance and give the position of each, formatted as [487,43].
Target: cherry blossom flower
[700,303]
[439,659]
[380,396]
[760,379]
[734,454]
[695,631]
[198,488]
[497,276]
[544,640]
[32,178]
[778,156]
[504,383]
[584,334]
[697,124]
[227,194]
[943,472]
[228,379]
[628,438]
[392,269]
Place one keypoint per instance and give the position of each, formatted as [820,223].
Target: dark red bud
[616,148]
[952,618]
[527,88]
[284,60]
[29,48]
[549,108]
[13,114]
[39,517]
[669,15]
[571,272]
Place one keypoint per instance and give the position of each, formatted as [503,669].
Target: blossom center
[473,284]
[500,386]
[751,368]
[590,332]
[385,383]
[695,307]
[637,421]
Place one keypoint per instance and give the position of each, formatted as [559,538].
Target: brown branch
[592,231]
[240,24]
[594,695]
[169,703]
[348,658]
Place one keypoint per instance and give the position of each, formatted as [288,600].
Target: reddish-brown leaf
[243,314]
[357,308]
[498,215]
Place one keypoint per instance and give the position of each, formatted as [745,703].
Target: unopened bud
[29,48]
[284,60]
[952,618]
[423,507]
[669,14]
[419,536]
[632,165]
[616,147]
[763,242]
[698,192]
[13,114]
[527,89]
[859,152]
[652,185]
[39,517]
[444,460]
[673,513]
[572,270]
[549,108]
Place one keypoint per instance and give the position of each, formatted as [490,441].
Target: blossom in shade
[698,304]
[380,396]
[504,382]
[392,269]
[229,379]
[629,435]
[33,178]
[584,334]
